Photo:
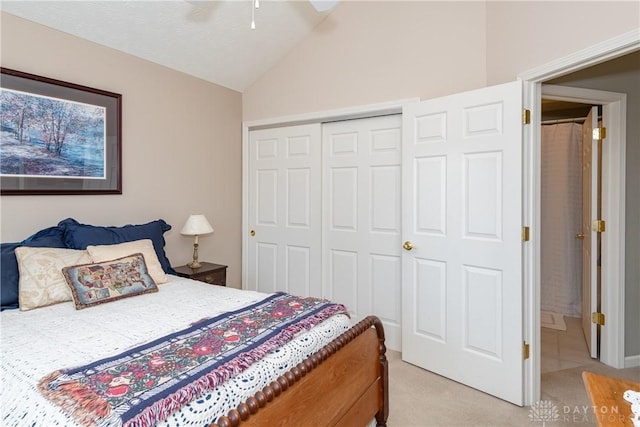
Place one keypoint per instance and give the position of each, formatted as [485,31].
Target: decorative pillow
[93,284]
[41,281]
[52,237]
[79,236]
[145,247]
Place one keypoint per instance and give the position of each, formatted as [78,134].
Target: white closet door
[462,212]
[284,210]
[361,219]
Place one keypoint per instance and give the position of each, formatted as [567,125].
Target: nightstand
[214,274]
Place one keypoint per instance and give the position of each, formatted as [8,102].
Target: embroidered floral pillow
[93,284]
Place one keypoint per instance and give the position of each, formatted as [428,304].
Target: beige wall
[181,146]
[522,35]
[370,52]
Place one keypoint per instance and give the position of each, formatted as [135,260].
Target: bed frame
[344,384]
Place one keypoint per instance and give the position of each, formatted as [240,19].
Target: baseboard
[632,361]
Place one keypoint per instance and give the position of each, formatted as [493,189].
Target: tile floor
[564,349]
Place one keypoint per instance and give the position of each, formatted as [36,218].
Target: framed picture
[58,137]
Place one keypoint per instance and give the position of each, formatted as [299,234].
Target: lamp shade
[196,225]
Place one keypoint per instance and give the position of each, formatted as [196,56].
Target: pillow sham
[98,283]
[41,281]
[145,247]
[52,237]
[79,236]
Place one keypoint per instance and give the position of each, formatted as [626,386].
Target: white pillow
[41,280]
[102,253]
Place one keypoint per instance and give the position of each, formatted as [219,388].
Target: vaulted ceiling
[212,40]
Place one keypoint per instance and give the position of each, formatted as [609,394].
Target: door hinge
[597,318]
[526,116]
[599,225]
[525,350]
[525,234]
[599,133]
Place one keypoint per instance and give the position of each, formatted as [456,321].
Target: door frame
[532,86]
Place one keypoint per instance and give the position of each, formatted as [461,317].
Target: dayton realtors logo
[545,411]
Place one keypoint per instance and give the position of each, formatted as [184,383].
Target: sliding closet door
[361,218]
[284,210]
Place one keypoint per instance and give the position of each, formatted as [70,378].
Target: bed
[327,372]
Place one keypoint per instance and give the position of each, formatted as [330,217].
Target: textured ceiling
[212,40]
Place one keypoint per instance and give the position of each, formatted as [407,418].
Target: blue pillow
[79,236]
[52,237]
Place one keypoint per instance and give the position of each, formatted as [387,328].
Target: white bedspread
[37,342]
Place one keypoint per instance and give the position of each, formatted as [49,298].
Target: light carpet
[552,321]
[419,398]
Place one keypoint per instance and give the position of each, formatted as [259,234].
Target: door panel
[431,290]
[266,267]
[284,210]
[462,211]
[589,238]
[361,225]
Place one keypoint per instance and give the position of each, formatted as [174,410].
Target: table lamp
[196,225]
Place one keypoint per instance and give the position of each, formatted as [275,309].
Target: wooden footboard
[343,384]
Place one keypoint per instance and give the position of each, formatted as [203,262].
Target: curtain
[561,210]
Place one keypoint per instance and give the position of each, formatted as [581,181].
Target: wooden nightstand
[214,274]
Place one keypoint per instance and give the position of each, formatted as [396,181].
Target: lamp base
[194,265]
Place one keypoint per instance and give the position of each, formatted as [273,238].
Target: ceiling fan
[323,5]
[319,5]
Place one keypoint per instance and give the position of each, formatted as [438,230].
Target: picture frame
[58,138]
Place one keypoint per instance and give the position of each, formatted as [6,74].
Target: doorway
[613,205]
[606,160]
[568,160]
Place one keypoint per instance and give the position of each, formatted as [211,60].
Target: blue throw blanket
[143,385]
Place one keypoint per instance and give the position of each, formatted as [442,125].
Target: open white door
[589,237]
[462,222]
[284,210]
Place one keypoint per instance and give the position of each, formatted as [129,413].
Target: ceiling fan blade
[323,5]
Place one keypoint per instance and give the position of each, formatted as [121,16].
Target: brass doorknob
[580,236]
[252,232]
[407,245]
